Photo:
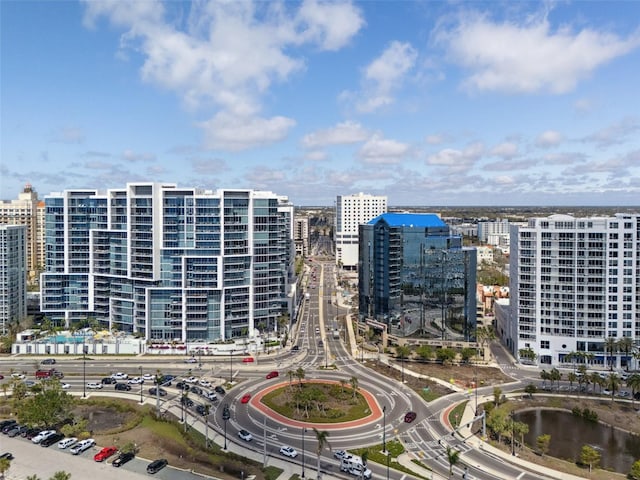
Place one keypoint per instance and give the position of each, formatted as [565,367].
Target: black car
[55,438]
[17,430]
[108,381]
[196,390]
[201,409]
[30,433]
[186,401]
[10,426]
[183,386]
[155,391]
[122,459]
[7,455]
[123,386]
[295,348]
[48,361]
[219,389]
[7,423]
[157,465]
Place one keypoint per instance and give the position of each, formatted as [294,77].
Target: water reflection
[570,433]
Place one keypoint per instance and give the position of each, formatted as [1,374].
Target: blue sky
[429,103]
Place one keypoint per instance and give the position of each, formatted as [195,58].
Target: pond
[569,433]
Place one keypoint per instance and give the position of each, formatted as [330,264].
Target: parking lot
[31,459]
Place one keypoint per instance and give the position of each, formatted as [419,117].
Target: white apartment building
[574,284]
[494,233]
[170,263]
[29,211]
[301,235]
[352,211]
[13,275]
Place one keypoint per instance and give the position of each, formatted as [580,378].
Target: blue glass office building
[415,276]
[169,263]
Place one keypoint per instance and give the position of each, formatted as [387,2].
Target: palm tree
[321,437]
[33,477]
[354,385]
[613,384]
[205,414]
[300,375]
[364,456]
[291,374]
[625,345]
[453,456]
[611,346]
[572,377]
[633,382]
[61,476]
[544,375]
[5,464]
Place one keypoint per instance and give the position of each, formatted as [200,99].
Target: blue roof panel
[410,220]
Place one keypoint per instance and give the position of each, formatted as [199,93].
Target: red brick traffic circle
[375,415]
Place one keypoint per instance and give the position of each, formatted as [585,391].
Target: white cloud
[229,132]
[131,156]
[614,134]
[549,139]
[316,155]
[68,135]
[379,150]
[385,75]
[435,139]
[528,56]
[457,160]
[505,150]
[582,105]
[343,133]
[228,54]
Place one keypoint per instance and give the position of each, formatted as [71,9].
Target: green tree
[633,382]
[634,473]
[530,389]
[47,407]
[611,346]
[354,386]
[300,375]
[466,354]
[33,477]
[453,456]
[321,437]
[572,377]
[403,352]
[497,393]
[425,352]
[5,464]
[528,354]
[613,383]
[625,345]
[543,442]
[61,476]
[589,456]
[445,355]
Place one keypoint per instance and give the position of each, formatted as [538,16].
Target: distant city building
[13,275]
[415,276]
[351,212]
[29,211]
[170,263]
[494,232]
[485,254]
[301,235]
[573,285]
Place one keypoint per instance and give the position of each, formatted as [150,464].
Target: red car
[273,374]
[410,417]
[105,453]
[245,398]
[247,359]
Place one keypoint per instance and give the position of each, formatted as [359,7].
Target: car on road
[248,360]
[183,386]
[201,409]
[244,435]
[55,438]
[122,459]
[65,386]
[66,442]
[288,451]
[196,390]
[81,446]
[148,377]
[43,435]
[410,417]
[191,379]
[191,360]
[295,348]
[219,390]
[48,361]
[105,453]
[204,383]
[94,386]
[125,387]
[119,376]
[157,465]
[108,381]
[158,391]
[273,374]
[245,398]
[18,376]
[211,396]
[339,454]
[135,381]
[186,401]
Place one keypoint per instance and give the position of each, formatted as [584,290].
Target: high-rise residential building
[13,275]
[351,212]
[27,210]
[170,263]
[573,286]
[415,276]
[301,235]
[494,232]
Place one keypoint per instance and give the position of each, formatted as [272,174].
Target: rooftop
[410,220]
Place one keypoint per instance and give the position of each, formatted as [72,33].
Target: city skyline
[428,103]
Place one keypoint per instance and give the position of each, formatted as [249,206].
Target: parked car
[7,455]
[218,389]
[244,435]
[122,386]
[204,383]
[248,360]
[158,391]
[183,386]
[48,361]
[191,379]
[30,433]
[245,398]
[186,401]
[196,390]
[94,386]
[67,442]
[42,435]
[55,438]
[17,430]
[122,459]
[288,451]
[5,423]
[8,427]
[157,465]
[81,446]
[295,348]
[273,374]
[410,417]
[211,396]
[105,453]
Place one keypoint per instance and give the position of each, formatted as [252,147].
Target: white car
[94,386]
[339,454]
[82,446]
[148,377]
[244,435]
[120,376]
[288,451]
[66,442]
[135,381]
[65,386]
[19,376]
[204,383]
[211,396]
[191,380]
[191,360]
[42,435]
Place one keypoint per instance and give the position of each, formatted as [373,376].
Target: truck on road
[49,373]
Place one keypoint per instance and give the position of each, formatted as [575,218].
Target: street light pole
[384,429]
[513,435]
[84,372]
[304,430]
[141,384]
[225,416]
[231,366]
